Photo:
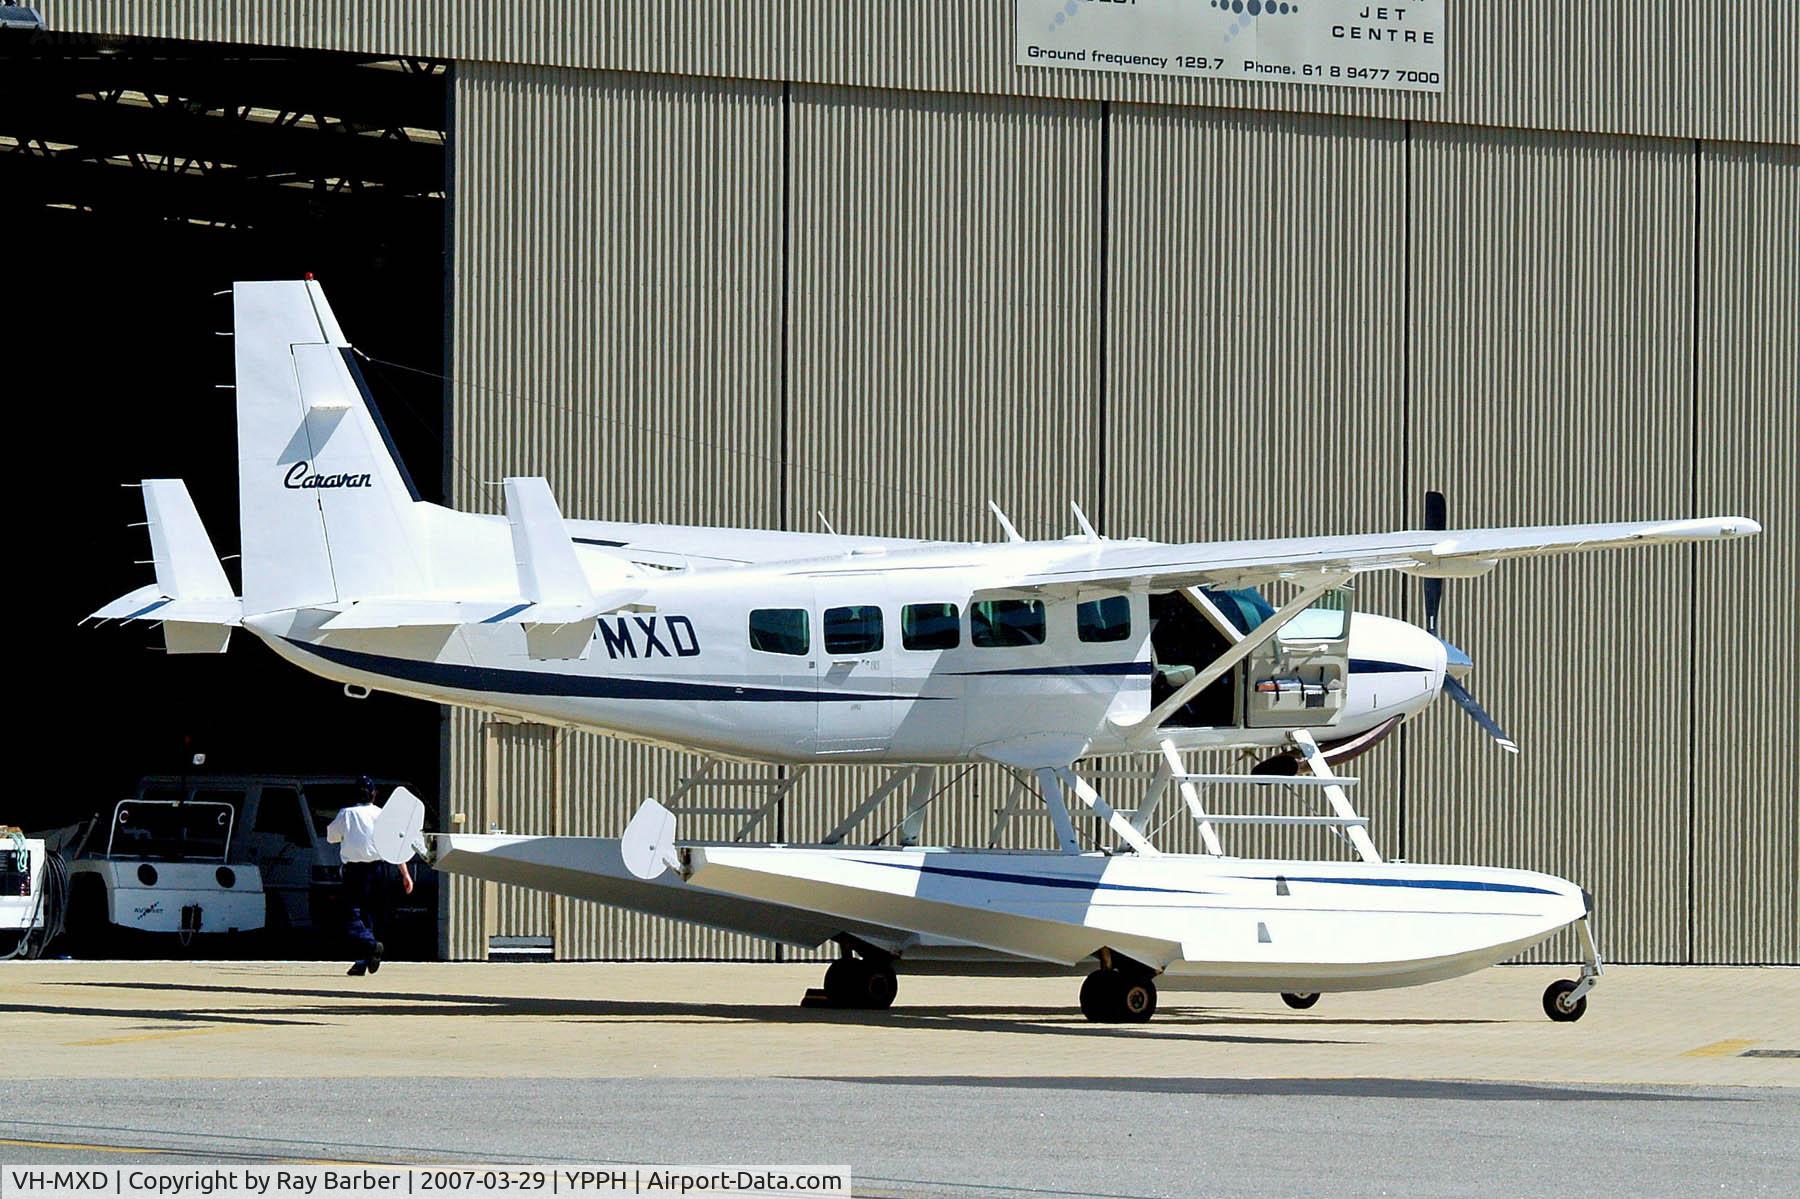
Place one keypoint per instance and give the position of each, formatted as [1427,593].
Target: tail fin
[328,514]
[191,596]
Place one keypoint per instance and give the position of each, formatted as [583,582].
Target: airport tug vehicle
[1056,661]
[164,874]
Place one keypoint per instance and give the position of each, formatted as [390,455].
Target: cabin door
[1300,677]
[856,708]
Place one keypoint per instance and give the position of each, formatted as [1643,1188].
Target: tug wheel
[1299,1000]
[1557,1005]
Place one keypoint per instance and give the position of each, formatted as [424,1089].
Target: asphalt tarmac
[1678,1081]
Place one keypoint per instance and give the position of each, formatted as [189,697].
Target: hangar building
[734,263]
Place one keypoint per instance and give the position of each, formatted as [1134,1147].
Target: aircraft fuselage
[684,670]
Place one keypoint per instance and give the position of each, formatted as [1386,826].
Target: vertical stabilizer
[328,514]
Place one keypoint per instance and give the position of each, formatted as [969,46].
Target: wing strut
[1115,820]
[1051,785]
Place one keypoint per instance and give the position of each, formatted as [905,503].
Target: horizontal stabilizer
[559,642]
[149,603]
[414,614]
[191,597]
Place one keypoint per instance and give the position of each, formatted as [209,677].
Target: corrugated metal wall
[1666,69]
[1197,323]
[943,255]
[1255,343]
[617,293]
[1746,817]
[1551,309]
[740,285]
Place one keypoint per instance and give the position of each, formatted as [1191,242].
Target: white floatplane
[813,649]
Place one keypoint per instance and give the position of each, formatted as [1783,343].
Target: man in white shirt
[366,877]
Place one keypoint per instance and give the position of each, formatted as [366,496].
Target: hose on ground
[51,906]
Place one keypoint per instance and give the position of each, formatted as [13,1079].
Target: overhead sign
[1337,43]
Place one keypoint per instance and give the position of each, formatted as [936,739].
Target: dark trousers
[365,889]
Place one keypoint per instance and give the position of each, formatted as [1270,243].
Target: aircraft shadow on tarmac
[1348,1088]
[1031,1020]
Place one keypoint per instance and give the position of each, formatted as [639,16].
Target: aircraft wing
[1452,553]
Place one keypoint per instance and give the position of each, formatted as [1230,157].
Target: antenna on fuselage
[820,513]
[1012,534]
[1081,519]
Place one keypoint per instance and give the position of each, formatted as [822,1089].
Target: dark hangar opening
[141,177]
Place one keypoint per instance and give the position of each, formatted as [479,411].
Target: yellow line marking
[82,1145]
[1729,1048]
[129,1038]
[87,1146]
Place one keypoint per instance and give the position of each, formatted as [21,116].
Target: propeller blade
[1437,512]
[1467,703]
[1437,516]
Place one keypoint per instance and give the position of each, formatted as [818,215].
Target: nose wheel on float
[1565,1000]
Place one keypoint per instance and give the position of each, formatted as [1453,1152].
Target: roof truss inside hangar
[222,136]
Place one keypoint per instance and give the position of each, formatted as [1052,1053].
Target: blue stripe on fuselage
[586,686]
[536,682]
[1424,884]
[1096,668]
[1376,666]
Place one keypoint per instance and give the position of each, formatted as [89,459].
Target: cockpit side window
[1001,623]
[1326,619]
[780,631]
[1106,619]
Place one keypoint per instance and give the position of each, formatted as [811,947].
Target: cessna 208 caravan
[808,649]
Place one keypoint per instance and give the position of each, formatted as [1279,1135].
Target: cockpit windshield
[1244,607]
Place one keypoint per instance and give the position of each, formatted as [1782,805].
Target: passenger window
[780,631]
[995,623]
[853,630]
[930,626]
[1106,619]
